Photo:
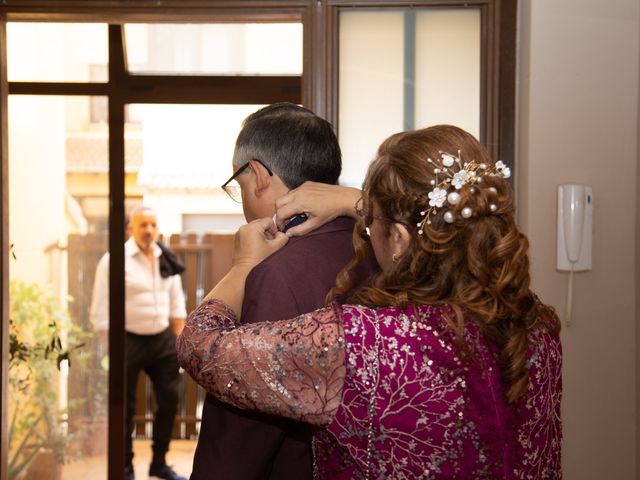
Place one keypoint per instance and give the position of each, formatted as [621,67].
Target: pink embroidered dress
[393,396]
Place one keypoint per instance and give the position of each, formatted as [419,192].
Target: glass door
[66,169]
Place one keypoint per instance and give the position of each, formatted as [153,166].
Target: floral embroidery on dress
[293,368]
[439,415]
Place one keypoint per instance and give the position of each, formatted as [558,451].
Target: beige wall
[578,122]
[37,185]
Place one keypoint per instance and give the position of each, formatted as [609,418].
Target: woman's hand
[320,202]
[255,241]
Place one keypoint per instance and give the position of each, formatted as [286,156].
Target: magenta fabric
[437,413]
[394,395]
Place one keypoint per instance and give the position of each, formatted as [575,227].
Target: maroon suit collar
[338,225]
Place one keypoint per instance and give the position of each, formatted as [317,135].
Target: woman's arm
[320,202]
[292,368]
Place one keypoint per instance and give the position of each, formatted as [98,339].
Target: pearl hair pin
[451,175]
[449,217]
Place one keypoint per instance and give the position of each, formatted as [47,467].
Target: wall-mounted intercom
[575,217]
[575,231]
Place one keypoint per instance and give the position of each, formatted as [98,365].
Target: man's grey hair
[139,209]
[293,142]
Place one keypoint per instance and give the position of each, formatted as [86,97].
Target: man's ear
[400,239]
[263,179]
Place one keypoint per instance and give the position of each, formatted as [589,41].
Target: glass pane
[448,68]
[58,217]
[221,49]
[370,86]
[183,156]
[422,67]
[57,52]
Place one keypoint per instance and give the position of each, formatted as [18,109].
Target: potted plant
[38,435]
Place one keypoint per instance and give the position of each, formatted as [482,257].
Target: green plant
[36,351]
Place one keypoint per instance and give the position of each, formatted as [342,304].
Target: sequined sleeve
[292,368]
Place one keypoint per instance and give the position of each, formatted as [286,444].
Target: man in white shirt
[154,317]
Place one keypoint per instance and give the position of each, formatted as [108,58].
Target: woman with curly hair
[445,365]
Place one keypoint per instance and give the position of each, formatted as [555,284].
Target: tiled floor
[180,457]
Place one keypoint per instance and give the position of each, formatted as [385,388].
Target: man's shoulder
[295,279]
[335,233]
[329,244]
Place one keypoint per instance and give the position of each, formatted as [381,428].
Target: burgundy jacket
[241,445]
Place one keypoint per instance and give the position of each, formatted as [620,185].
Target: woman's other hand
[255,241]
[320,202]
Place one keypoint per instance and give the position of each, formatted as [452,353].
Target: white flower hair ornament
[451,175]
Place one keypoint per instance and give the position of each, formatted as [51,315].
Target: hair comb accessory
[452,174]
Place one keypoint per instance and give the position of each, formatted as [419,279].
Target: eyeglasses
[369,217]
[231,186]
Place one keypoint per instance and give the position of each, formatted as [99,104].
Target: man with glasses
[279,147]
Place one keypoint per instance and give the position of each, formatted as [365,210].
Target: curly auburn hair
[478,265]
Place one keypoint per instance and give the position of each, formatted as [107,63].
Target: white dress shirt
[150,300]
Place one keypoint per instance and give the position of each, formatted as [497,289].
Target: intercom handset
[575,229]
[575,225]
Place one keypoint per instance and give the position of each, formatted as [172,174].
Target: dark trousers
[156,356]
